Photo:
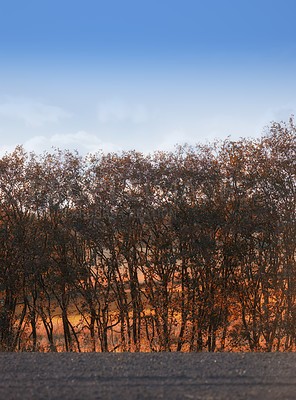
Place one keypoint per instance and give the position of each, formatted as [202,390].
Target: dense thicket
[191,250]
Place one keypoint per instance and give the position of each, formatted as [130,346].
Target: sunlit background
[145,75]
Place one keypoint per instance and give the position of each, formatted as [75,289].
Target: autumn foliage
[192,250]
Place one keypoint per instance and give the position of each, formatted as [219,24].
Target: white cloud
[82,141]
[116,110]
[32,112]
[85,143]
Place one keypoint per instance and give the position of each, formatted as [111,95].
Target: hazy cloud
[277,114]
[280,113]
[116,110]
[170,140]
[32,112]
[7,149]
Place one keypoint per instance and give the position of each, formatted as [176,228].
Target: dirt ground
[147,376]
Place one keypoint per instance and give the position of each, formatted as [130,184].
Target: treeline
[192,250]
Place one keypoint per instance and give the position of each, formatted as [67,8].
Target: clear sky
[143,74]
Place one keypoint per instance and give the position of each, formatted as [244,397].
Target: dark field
[147,376]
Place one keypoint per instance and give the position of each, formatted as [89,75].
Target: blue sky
[143,75]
